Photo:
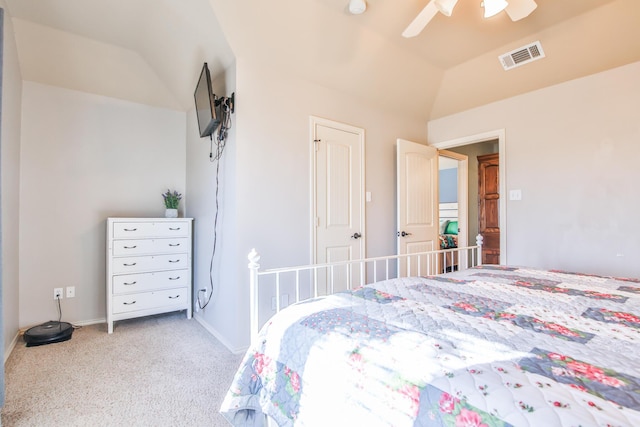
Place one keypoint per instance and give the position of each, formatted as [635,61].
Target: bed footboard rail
[314,280]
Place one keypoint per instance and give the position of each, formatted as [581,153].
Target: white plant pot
[171,213]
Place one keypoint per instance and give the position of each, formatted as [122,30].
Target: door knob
[356,236]
[403,234]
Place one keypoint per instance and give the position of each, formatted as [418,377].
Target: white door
[418,227]
[339,199]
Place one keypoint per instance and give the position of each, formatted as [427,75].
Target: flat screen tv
[208,119]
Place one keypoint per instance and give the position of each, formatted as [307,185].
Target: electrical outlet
[71,291]
[57,293]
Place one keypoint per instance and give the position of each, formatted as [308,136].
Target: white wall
[572,149]
[84,158]
[10,179]
[273,186]
[265,184]
[204,178]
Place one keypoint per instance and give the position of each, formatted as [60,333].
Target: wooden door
[489,207]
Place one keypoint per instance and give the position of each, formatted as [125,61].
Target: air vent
[521,56]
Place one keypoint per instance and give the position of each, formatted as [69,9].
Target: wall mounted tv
[206,108]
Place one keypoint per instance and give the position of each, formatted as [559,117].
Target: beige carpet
[156,371]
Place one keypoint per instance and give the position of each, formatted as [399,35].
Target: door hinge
[315,144]
[317,221]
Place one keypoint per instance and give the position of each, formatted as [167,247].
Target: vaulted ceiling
[450,41]
[150,51]
[147,51]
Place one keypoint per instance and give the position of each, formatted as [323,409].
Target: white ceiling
[150,51]
[449,41]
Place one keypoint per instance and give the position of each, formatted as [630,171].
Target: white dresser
[148,267]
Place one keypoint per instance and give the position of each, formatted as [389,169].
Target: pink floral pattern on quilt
[489,346]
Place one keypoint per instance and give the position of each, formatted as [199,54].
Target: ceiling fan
[516,9]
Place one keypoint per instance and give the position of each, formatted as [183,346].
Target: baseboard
[89,322]
[12,345]
[217,335]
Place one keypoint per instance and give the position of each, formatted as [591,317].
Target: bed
[482,346]
[449,240]
[448,214]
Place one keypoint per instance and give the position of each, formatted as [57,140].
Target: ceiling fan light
[520,9]
[493,7]
[446,6]
[356,7]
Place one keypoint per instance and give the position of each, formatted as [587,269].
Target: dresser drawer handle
[171,260]
[177,296]
[129,265]
[130,229]
[174,229]
[130,283]
[129,303]
[174,278]
[131,247]
[174,244]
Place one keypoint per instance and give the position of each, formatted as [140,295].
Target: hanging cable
[59,310]
[202,305]
[225,125]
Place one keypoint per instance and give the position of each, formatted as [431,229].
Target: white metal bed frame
[368,269]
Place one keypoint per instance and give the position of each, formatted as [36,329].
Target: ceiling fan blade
[519,9]
[421,21]
[446,6]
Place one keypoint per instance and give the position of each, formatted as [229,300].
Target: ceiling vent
[522,55]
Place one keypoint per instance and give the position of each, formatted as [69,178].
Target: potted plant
[171,202]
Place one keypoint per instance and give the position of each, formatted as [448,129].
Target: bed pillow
[451,228]
[443,225]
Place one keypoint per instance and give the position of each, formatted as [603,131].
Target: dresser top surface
[140,219]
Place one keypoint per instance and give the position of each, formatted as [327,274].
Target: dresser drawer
[149,246]
[135,264]
[138,230]
[142,282]
[170,298]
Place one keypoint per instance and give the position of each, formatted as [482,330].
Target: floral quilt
[489,346]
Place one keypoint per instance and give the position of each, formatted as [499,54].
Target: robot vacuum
[48,333]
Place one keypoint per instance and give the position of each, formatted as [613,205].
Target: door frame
[314,121]
[500,135]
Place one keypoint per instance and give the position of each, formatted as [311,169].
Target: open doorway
[474,146]
[453,186]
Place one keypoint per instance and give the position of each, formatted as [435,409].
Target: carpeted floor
[161,370]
